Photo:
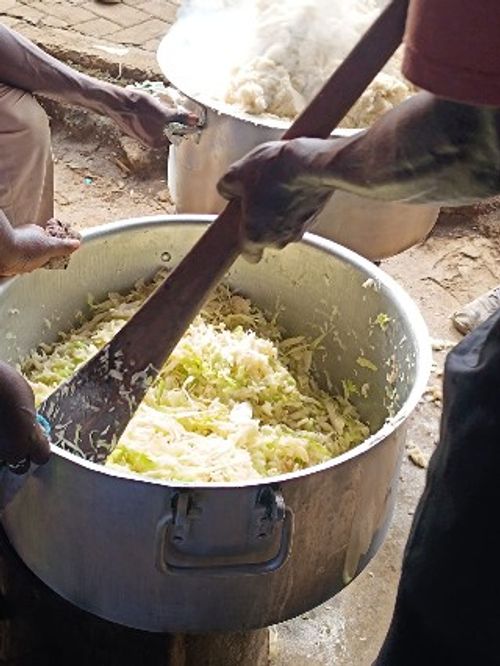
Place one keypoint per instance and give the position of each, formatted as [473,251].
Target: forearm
[426,150]
[23,65]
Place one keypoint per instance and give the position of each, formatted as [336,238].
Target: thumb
[60,247]
[34,247]
[39,446]
[185,117]
[230,185]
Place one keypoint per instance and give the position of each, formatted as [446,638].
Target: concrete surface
[138,23]
[457,263]
[119,36]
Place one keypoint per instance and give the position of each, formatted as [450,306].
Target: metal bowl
[182,557]
[374,229]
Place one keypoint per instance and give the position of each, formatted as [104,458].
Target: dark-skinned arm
[23,65]
[428,150]
[22,250]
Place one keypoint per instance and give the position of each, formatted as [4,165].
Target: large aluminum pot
[180,557]
[374,229]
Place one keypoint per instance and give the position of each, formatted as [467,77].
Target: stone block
[72,15]
[140,34]
[5,5]
[125,15]
[162,9]
[98,27]
[26,13]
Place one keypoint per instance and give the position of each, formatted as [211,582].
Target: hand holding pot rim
[280,190]
[21,436]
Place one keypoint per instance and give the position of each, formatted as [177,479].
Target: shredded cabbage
[235,401]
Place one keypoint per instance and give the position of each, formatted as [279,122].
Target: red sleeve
[453,49]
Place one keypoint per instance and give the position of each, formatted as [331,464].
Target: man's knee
[35,136]
[24,125]
[26,185]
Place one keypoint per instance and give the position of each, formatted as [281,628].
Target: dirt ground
[460,260]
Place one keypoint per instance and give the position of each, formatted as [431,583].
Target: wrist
[330,160]
[313,159]
[92,94]
[112,98]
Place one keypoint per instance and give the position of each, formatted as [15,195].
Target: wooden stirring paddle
[92,409]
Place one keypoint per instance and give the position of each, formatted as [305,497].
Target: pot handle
[177,131]
[179,551]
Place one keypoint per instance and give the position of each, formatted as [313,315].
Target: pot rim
[401,298]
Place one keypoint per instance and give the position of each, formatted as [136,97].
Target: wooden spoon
[92,409]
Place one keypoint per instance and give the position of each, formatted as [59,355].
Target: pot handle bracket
[186,546]
[176,131]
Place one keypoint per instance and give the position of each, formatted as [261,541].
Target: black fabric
[448,605]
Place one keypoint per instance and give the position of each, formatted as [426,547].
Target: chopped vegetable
[235,401]
[366,363]
[383,320]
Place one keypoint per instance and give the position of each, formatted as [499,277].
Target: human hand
[21,436]
[145,118]
[280,187]
[28,247]
[27,67]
